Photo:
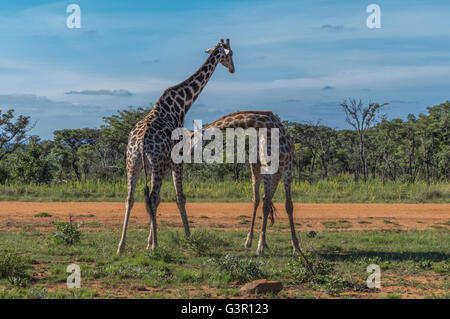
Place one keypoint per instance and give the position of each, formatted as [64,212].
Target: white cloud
[101,92]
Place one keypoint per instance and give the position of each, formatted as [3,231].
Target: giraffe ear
[227,51]
[209,51]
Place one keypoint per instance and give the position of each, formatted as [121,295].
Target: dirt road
[230,215]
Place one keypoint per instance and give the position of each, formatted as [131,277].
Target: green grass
[215,263]
[335,190]
[43,214]
[337,224]
[387,221]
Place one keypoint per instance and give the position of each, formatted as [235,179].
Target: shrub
[13,267]
[163,254]
[17,281]
[43,214]
[425,264]
[38,293]
[300,271]
[202,241]
[325,277]
[238,269]
[67,233]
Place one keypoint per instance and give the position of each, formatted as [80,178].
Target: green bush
[324,277]
[66,233]
[202,241]
[162,254]
[240,270]
[43,214]
[13,268]
[18,281]
[301,273]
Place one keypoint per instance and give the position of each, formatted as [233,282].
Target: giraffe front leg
[287,180]
[177,175]
[262,237]
[256,182]
[150,236]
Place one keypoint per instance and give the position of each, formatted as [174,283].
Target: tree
[433,130]
[117,129]
[388,142]
[13,133]
[322,140]
[87,157]
[72,140]
[305,150]
[346,153]
[361,118]
[31,166]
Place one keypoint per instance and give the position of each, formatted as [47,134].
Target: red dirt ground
[228,215]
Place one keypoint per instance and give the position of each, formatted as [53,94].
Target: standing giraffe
[150,142]
[257,120]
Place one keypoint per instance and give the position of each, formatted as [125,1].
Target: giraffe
[257,120]
[150,143]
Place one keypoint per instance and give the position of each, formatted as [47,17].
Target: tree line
[408,150]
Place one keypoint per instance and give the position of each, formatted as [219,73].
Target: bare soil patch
[231,215]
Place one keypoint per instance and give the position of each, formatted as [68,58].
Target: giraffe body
[257,120]
[150,141]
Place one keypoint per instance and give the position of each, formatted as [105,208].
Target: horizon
[299,61]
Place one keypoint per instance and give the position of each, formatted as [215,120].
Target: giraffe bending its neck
[150,143]
[265,119]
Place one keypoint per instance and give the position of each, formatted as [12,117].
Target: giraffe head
[225,55]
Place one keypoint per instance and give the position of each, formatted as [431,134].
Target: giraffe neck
[177,100]
[196,82]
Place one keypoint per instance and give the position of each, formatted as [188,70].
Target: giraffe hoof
[260,251]
[248,242]
[120,250]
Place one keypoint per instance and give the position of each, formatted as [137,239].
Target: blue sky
[299,59]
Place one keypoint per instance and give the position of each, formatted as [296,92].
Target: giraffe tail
[272,214]
[146,189]
[147,199]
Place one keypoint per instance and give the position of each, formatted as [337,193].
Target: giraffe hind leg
[267,202]
[273,187]
[151,203]
[133,168]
